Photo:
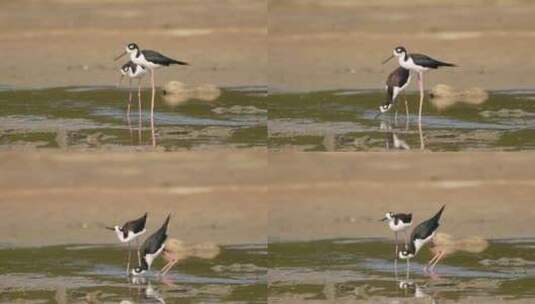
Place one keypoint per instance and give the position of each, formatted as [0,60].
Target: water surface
[96,274]
[348,270]
[95,118]
[348,121]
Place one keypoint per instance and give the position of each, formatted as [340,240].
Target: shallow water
[347,121]
[96,274]
[363,269]
[94,118]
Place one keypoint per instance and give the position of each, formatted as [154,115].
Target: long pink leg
[421,84]
[153,93]
[431,260]
[170,266]
[436,261]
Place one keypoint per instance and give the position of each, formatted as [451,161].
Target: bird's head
[131,48]
[125,69]
[138,271]
[114,228]
[399,51]
[406,254]
[384,108]
[388,217]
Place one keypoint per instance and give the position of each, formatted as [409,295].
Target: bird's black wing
[428,62]
[155,241]
[398,77]
[425,229]
[404,217]
[136,225]
[158,58]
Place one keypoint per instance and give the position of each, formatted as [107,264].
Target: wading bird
[398,222]
[151,248]
[129,232]
[421,235]
[396,82]
[149,60]
[418,63]
[132,71]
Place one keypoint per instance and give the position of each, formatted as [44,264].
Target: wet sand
[336,195]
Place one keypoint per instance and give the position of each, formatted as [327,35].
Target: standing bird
[132,71]
[396,82]
[129,232]
[398,222]
[421,235]
[151,248]
[150,60]
[418,63]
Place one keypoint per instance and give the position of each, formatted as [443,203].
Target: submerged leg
[440,256]
[408,269]
[431,261]
[397,246]
[129,258]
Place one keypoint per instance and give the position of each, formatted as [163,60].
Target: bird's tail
[439,213]
[446,64]
[166,223]
[179,62]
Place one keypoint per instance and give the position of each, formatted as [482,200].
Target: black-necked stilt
[418,63]
[151,248]
[132,71]
[150,60]
[421,235]
[396,82]
[129,232]
[398,222]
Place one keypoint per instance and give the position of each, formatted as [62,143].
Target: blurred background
[340,44]
[63,42]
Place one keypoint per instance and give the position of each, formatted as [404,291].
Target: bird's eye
[131,46]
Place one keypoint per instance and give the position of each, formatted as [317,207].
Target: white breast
[130,237]
[149,258]
[143,62]
[399,227]
[420,243]
[409,65]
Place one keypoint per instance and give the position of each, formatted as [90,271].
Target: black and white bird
[132,71]
[418,63]
[396,82]
[129,232]
[421,235]
[398,222]
[152,248]
[150,60]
